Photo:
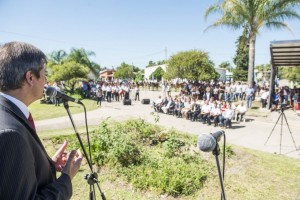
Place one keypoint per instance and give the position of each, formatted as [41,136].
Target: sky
[130,31]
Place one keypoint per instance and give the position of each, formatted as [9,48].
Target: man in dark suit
[26,170]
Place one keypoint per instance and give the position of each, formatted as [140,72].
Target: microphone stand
[216,153]
[91,178]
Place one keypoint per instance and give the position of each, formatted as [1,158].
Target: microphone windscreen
[51,92]
[206,142]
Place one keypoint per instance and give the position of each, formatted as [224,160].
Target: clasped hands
[68,163]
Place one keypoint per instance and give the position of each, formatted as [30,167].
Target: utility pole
[166,54]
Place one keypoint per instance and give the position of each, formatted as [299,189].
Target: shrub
[149,157]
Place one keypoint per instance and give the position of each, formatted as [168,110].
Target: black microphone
[208,142]
[52,92]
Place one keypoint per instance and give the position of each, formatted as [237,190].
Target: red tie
[31,122]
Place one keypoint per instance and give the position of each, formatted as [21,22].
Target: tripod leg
[290,132]
[281,133]
[273,128]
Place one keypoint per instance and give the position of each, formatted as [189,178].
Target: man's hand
[73,163]
[60,157]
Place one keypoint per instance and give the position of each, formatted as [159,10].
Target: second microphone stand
[91,178]
[216,153]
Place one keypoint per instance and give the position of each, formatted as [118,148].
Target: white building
[150,70]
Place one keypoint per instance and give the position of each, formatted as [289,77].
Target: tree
[139,76]
[150,64]
[55,58]
[158,74]
[81,56]
[239,75]
[241,58]
[225,65]
[161,62]
[191,65]
[254,14]
[290,73]
[125,71]
[70,72]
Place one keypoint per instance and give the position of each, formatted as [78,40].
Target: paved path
[251,134]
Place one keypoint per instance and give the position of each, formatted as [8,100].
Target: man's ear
[29,77]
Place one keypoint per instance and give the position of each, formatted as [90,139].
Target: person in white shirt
[215,113]
[264,96]
[117,92]
[137,92]
[238,92]
[228,115]
[186,108]
[205,113]
[157,104]
[166,108]
[241,111]
[244,88]
[233,92]
[108,92]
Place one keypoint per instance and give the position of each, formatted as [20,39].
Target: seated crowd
[218,113]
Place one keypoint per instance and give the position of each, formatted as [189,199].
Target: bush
[149,157]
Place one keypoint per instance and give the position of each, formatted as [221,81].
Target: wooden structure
[284,53]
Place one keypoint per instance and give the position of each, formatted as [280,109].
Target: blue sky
[131,31]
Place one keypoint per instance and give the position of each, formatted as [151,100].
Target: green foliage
[191,65]
[173,145]
[228,150]
[158,74]
[149,157]
[57,57]
[139,76]
[114,148]
[241,58]
[290,73]
[125,71]
[174,176]
[81,56]
[240,75]
[151,63]
[70,72]
[225,65]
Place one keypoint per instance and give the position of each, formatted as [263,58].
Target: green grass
[249,175]
[49,111]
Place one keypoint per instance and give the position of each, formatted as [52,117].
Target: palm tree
[255,14]
[82,56]
[57,57]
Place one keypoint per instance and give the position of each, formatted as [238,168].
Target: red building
[107,75]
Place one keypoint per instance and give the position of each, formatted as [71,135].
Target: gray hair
[17,58]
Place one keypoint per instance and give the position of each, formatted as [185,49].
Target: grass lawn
[48,111]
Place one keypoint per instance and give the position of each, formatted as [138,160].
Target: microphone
[52,92]
[208,142]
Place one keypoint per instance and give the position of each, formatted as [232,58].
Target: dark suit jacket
[26,170]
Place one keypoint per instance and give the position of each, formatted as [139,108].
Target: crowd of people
[286,97]
[198,90]
[219,113]
[211,102]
